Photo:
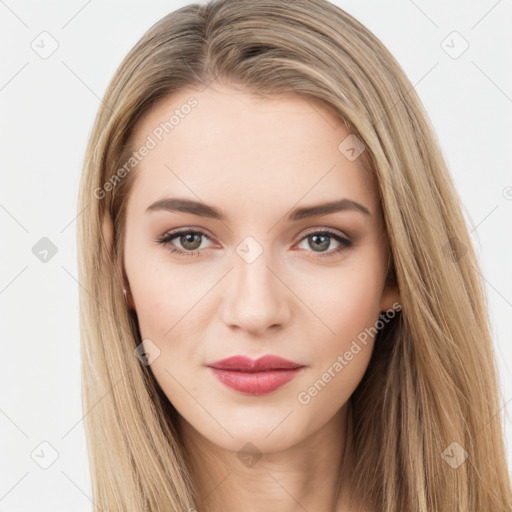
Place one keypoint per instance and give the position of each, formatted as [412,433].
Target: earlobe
[390,298]
[107,229]
[129,298]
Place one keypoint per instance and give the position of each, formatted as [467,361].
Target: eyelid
[345,243]
[184,230]
[324,229]
[205,232]
[175,233]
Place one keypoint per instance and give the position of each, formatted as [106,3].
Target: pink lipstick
[255,377]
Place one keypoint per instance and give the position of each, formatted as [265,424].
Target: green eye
[320,241]
[190,241]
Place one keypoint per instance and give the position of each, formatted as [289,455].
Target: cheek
[340,357]
[346,352]
[346,300]
[347,310]
[163,293]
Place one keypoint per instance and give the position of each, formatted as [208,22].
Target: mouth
[255,377]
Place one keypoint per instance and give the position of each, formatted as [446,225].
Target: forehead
[223,142]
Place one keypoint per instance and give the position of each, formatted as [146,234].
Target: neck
[312,475]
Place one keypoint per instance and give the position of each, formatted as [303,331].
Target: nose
[255,297]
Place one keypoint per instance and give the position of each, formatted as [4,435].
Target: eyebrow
[175,204]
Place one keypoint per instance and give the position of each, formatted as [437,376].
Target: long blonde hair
[430,393]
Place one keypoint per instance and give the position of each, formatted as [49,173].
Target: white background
[47,111]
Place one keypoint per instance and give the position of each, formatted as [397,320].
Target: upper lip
[246,364]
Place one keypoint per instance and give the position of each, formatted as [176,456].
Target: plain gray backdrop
[57,59]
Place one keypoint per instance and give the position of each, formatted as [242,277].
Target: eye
[189,239]
[321,240]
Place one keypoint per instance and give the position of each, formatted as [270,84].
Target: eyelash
[165,239]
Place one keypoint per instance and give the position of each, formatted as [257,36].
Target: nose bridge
[255,299]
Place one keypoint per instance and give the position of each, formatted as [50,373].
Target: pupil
[189,239]
[317,240]
[325,245]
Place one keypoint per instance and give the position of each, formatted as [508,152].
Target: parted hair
[430,393]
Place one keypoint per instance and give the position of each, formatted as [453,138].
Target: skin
[256,159]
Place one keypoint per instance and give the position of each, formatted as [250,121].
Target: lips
[246,364]
[254,377]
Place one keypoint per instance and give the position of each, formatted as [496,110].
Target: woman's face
[259,275]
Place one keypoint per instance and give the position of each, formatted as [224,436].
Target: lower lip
[255,383]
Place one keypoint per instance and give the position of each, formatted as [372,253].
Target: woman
[285,308]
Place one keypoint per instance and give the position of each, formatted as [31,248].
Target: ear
[390,298]
[129,297]
[107,229]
